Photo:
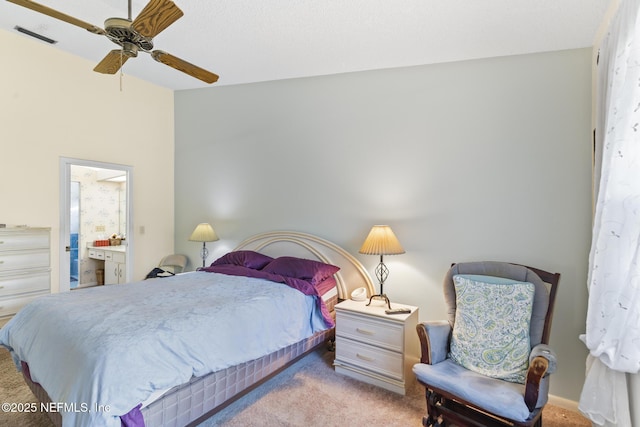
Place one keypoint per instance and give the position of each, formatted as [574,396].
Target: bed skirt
[200,398]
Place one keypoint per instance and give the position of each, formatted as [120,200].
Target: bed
[187,391]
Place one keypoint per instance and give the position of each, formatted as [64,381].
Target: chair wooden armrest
[434,341]
[537,370]
[542,362]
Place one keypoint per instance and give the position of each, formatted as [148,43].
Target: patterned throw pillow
[491,330]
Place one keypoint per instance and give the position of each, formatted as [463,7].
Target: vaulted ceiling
[245,41]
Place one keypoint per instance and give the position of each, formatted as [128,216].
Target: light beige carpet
[308,393]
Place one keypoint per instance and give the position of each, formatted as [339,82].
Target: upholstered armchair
[489,364]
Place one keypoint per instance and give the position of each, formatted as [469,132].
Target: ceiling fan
[132,36]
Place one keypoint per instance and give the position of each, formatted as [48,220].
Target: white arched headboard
[352,274]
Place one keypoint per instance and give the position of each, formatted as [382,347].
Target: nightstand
[375,347]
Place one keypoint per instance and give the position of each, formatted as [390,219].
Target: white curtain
[613,316]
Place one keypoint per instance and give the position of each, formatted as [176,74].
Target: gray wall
[477,160]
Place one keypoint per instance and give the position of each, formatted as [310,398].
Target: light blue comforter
[113,346]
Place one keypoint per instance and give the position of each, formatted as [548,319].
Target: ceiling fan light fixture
[129,49]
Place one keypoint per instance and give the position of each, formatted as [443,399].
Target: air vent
[35,35]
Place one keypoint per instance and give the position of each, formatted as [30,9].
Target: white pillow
[491,329]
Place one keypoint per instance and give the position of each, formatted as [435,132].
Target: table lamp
[381,241]
[204,233]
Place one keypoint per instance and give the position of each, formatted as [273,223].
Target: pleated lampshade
[204,233]
[381,241]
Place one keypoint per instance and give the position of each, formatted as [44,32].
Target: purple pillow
[249,259]
[311,271]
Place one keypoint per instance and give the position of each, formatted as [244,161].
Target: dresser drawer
[375,359]
[19,240]
[11,285]
[24,260]
[368,329]
[13,305]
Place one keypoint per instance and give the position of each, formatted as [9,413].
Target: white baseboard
[570,405]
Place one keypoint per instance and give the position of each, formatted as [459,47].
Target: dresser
[25,267]
[375,347]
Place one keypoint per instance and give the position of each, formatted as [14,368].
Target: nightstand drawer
[376,359]
[368,329]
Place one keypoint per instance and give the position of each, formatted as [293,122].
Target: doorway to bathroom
[95,229]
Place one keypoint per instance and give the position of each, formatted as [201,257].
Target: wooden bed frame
[202,397]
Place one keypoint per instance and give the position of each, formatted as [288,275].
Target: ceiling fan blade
[111,63]
[58,15]
[155,17]
[184,66]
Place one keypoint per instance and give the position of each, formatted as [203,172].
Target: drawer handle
[365,358]
[365,331]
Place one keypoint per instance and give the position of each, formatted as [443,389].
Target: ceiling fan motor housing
[120,31]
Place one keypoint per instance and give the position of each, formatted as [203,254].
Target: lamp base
[204,253]
[382,297]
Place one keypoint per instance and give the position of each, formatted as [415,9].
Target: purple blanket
[298,284]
